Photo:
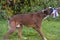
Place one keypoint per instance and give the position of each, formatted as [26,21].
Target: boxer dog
[33,20]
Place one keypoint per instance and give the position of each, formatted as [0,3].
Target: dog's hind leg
[19,27]
[12,29]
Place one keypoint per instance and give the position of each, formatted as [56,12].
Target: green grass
[51,30]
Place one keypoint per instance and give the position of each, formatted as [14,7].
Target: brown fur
[33,20]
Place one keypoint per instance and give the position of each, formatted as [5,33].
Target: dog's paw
[45,38]
[25,37]
[6,39]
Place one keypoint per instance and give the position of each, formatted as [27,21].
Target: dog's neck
[42,15]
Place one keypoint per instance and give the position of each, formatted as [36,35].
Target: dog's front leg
[37,28]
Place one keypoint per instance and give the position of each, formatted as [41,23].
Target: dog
[33,20]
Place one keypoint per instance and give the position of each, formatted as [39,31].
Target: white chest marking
[46,17]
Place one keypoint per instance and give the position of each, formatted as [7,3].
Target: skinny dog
[33,20]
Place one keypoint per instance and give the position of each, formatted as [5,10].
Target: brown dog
[33,20]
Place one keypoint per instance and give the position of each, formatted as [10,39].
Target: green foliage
[50,29]
[21,6]
[2,15]
[24,6]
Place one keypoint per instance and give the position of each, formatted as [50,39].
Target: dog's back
[26,19]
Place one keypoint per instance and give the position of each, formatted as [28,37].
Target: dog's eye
[45,12]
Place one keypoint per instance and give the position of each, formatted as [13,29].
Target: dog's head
[48,11]
[51,11]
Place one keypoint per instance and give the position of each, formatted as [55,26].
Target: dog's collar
[51,9]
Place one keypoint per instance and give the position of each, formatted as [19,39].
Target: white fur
[46,17]
[9,25]
[25,38]
[18,25]
[42,10]
[45,38]
[50,7]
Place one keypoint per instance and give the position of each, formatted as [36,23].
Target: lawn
[51,30]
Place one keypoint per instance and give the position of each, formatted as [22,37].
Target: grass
[51,30]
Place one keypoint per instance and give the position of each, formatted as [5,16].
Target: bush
[24,6]
[3,15]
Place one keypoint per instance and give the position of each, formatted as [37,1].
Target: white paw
[25,37]
[45,38]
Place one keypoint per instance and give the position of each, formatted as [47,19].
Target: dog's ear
[46,12]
